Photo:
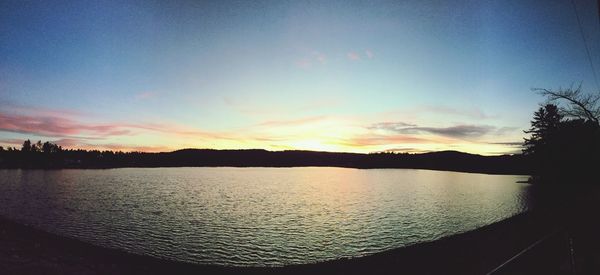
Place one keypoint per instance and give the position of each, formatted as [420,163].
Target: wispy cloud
[12,142]
[444,111]
[509,143]
[293,122]
[145,95]
[354,56]
[71,130]
[457,131]
[55,126]
[390,126]
[376,139]
[70,142]
[369,54]
[262,109]
[14,108]
[311,59]
[320,57]
[466,112]
[303,63]
[505,130]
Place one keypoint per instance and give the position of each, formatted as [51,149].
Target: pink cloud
[54,126]
[320,57]
[353,56]
[145,95]
[9,107]
[293,122]
[369,54]
[303,63]
[69,142]
[70,129]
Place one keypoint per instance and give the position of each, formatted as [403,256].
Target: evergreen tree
[26,146]
[544,126]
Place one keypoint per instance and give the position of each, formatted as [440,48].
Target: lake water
[257,216]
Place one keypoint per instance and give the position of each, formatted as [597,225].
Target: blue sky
[359,76]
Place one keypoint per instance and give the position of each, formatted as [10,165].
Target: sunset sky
[354,76]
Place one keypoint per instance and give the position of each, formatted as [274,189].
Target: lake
[258,216]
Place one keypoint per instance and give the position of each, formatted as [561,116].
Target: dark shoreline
[443,160]
[26,250]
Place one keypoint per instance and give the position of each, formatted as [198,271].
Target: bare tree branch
[582,106]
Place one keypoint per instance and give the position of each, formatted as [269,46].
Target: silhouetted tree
[37,147]
[580,105]
[26,146]
[544,126]
[564,145]
[50,148]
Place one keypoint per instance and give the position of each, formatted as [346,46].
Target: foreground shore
[26,250]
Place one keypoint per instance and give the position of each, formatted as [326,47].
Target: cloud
[375,139]
[303,63]
[509,143]
[320,57]
[353,56]
[310,59]
[467,112]
[369,54]
[390,126]
[55,126]
[69,142]
[145,95]
[457,131]
[293,122]
[247,107]
[12,142]
[13,108]
[504,130]
[72,130]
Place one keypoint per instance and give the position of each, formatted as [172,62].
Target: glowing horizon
[416,76]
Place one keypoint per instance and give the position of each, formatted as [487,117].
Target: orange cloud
[375,139]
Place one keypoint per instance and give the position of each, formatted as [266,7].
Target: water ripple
[257,216]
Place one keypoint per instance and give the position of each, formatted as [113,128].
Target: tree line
[446,160]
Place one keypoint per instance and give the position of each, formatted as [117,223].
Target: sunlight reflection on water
[258,216]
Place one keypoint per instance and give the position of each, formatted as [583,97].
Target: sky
[351,76]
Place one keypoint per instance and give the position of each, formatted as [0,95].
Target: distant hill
[443,160]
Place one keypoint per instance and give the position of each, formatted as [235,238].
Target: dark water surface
[258,216]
